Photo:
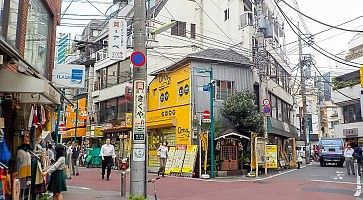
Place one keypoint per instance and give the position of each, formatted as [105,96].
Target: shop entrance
[229,157]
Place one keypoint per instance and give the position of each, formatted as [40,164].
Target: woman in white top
[163,154]
[57,182]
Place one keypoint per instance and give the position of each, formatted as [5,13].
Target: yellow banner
[169,162]
[271,156]
[128,117]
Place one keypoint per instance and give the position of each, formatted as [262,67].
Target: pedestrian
[348,154]
[300,155]
[108,155]
[358,155]
[57,183]
[76,152]
[163,154]
[69,157]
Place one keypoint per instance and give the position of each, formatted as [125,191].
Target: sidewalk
[79,193]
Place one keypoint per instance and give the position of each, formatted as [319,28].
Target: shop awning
[31,89]
[284,129]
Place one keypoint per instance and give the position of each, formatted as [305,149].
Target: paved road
[312,182]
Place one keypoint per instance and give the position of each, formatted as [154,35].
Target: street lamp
[211,103]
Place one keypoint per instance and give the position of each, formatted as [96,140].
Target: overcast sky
[331,12]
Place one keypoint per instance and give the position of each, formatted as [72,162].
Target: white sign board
[117,39]
[69,76]
[139,125]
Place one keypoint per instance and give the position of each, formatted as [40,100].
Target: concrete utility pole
[89,91]
[138,164]
[303,95]
[261,56]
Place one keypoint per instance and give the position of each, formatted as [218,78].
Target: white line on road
[359,187]
[340,182]
[76,187]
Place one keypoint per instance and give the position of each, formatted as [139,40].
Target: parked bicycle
[153,181]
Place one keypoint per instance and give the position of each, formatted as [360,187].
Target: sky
[332,12]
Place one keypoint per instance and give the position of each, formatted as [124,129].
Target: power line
[316,49]
[64,12]
[325,24]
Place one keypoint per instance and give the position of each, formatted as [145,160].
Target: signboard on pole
[69,76]
[117,39]
[271,156]
[139,125]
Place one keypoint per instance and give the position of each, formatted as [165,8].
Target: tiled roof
[227,55]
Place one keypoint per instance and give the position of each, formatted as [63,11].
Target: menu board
[189,159]
[178,160]
[169,162]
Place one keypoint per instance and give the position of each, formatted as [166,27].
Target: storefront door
[229,158]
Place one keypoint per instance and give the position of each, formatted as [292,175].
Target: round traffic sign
[206,114]
[138,58]
[266,102]
[266,109]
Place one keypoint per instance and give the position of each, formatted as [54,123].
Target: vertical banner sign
[271,156]
[139,128]
[117,39]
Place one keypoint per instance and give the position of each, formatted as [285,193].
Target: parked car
[331,151]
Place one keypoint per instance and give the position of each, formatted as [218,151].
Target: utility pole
[89,91]
[138,164]
[303,95]
[261,56]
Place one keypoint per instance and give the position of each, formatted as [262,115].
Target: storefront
[169,115]
[76,131]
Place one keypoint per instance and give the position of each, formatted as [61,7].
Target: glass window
[124,73]
[274,106]
[112,75]
[224,89]
[192,31]
[279,109]
[103,76]
[110,111]
[179,29]
[37,36]
[1,16]
[13,22]
[121,108]
[352,113]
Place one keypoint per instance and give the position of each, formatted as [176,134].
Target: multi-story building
[232,27]
[328,118]
[27,44]
[347,95]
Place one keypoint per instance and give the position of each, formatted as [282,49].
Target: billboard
[117,39]
[69,76]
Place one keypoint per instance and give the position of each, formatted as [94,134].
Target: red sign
[206,114]
[62,127]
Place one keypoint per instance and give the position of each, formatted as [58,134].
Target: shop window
[123,106]
[13,22]
[224,89]
[37,36]
[108,110]
[103,75]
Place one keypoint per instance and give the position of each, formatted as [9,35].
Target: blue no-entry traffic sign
[138,58]
[266,109]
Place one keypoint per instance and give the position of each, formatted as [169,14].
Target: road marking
[359,187]
[340,182]
[76,187]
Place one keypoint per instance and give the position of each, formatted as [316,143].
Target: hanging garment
[23,160]
[35,117]
[42,115]
[5,154]
[16,190]
[37,179]
[30,123]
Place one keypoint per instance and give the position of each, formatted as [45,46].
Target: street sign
[266,102]
[206,114]
[62,127]
[206,120]
[138,59]
[139,127]
[266,109]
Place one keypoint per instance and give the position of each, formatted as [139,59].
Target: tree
[242,111]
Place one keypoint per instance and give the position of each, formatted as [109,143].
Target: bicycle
[153,181]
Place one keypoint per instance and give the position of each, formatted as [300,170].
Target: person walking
[57,182]
[349,162]
[108,155]
[76,152]
[163,154]
[358,155]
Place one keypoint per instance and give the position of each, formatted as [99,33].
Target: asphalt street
[312,182]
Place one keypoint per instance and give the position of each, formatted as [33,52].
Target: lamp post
[211,127]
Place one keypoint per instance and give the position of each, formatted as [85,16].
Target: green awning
[280,128]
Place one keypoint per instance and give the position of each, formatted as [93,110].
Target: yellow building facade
[169,116]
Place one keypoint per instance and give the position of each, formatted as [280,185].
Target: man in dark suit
[358,155]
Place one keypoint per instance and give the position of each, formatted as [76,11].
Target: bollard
[123,183]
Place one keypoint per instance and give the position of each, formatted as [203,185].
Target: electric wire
[316,49]
[65,11]
[320,22]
